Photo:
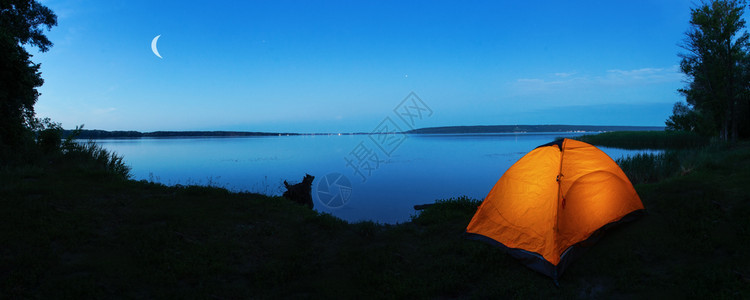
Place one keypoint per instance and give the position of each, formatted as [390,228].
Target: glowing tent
[551,201]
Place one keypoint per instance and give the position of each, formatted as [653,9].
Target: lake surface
[357,177]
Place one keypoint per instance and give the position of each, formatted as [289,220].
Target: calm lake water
[383,188]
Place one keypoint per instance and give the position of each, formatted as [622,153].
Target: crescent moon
[153,46]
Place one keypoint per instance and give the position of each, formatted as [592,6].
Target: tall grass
[45,148]
[683,152]
[93,156]
[647,139]
[650,167]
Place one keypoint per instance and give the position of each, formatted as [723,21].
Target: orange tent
[552,200]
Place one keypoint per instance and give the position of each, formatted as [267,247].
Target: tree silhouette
[717,65]
[22,22]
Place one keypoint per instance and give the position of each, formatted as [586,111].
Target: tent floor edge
[574,252]
[529,259]
[537,263]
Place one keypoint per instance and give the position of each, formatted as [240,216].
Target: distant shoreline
[104,134]
[531,128]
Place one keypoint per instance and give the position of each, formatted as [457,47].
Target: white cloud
[530,80]
[102,111]
[653,74]
[606,86]
[638,72]
[565,74]
[572,80]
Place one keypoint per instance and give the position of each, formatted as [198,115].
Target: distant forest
[103,134]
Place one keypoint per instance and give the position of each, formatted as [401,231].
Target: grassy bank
[654,167]
[69,232]
[646,139]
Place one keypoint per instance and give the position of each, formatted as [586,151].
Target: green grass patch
[67,232]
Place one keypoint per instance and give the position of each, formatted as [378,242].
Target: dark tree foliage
[22,22]
[683,118]
[717,65]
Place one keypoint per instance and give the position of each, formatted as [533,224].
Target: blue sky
[329,66]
